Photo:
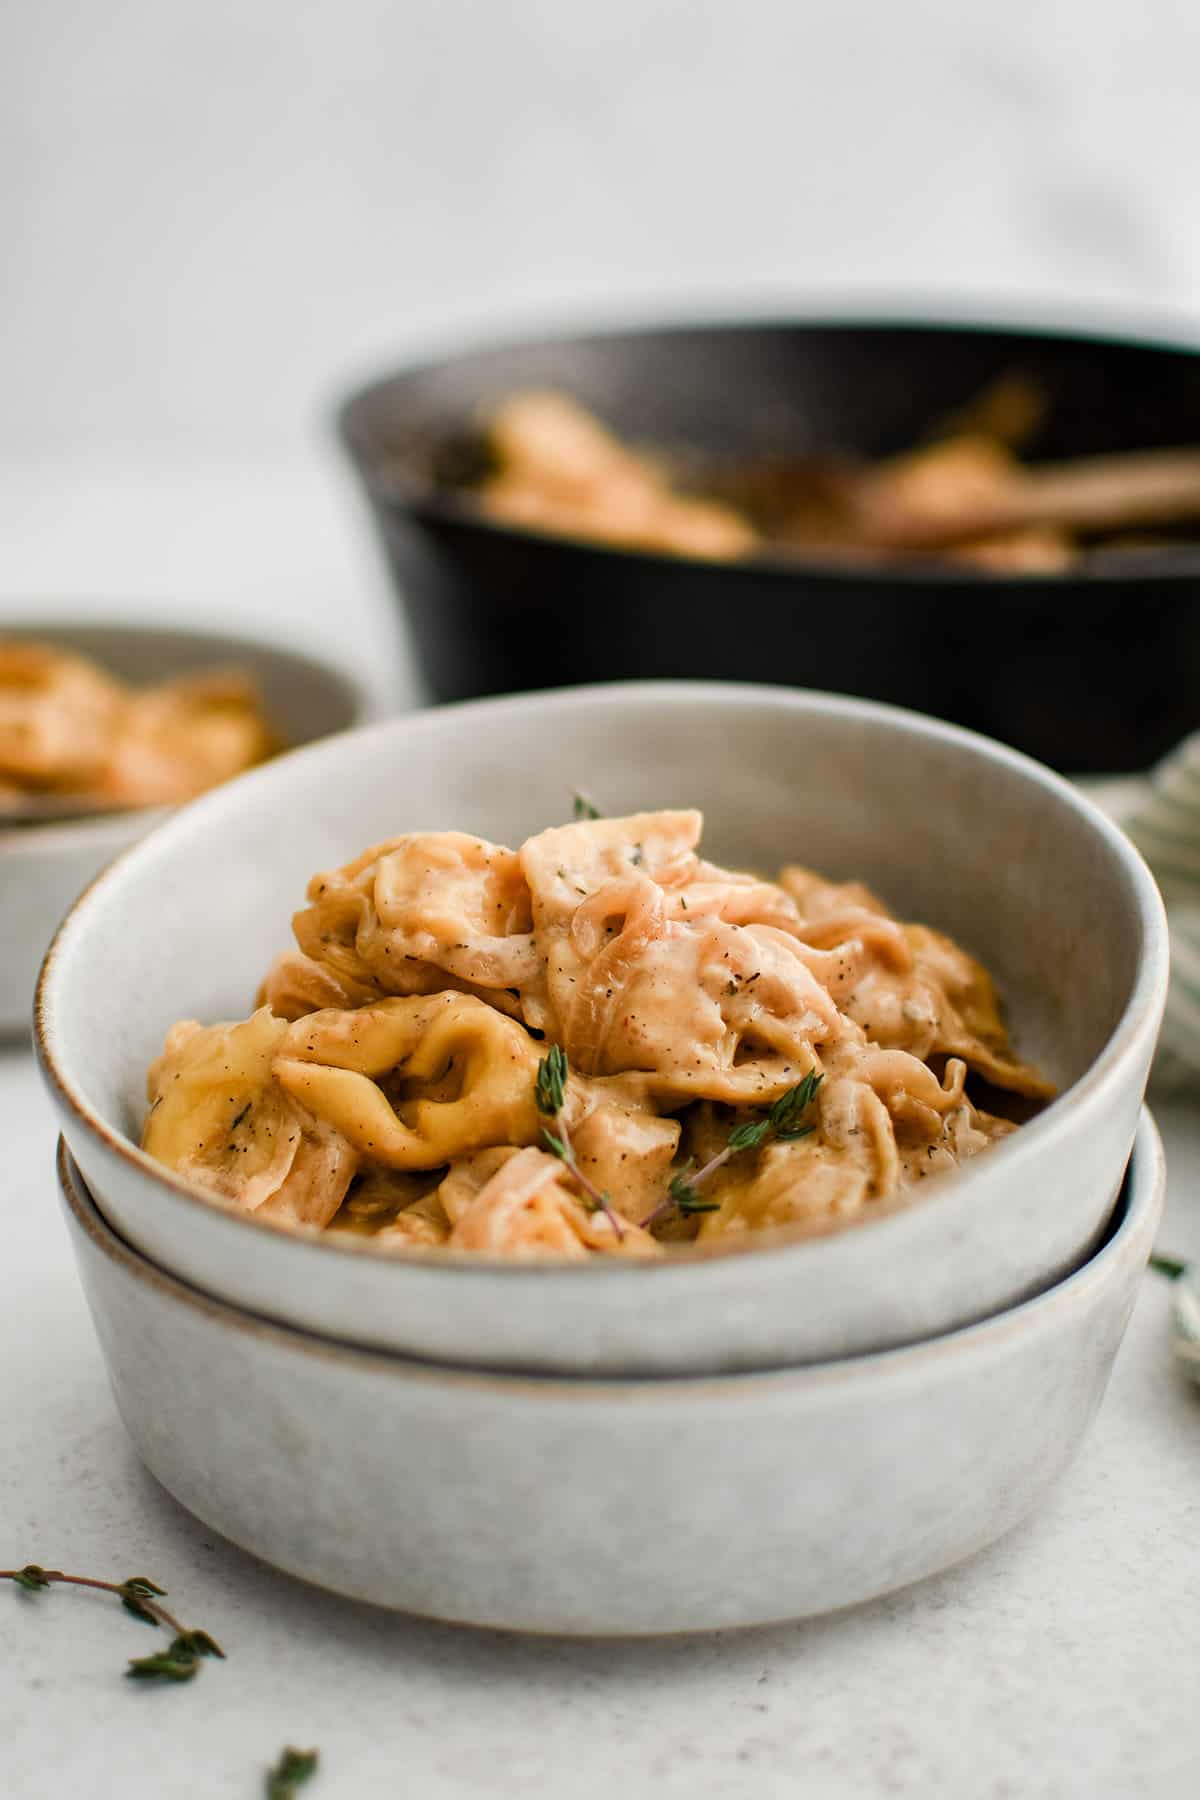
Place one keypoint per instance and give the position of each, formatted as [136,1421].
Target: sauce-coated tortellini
[598,1044]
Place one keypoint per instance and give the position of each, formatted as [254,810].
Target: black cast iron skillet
[1096,669]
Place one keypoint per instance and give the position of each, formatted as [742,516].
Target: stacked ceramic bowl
[703,1441]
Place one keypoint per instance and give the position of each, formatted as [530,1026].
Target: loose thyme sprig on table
[293,1769]
[551,1092]
[782,1122]
[179,1662]
[142,1598]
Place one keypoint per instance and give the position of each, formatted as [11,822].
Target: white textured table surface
[1061,1663]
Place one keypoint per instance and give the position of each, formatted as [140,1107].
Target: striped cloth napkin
[1162,815]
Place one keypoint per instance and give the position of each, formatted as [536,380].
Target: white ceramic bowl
[567,1505]
[43,867]
[957,831]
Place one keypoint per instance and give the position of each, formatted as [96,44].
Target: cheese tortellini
[70,731]
[598,1044]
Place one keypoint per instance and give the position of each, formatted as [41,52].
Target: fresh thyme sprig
[783,1119]
[782,1122]
[293,1769]
[682,1191]
[550,1089]
[551,1083]
[141,1597]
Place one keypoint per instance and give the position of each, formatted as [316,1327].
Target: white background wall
[216,213]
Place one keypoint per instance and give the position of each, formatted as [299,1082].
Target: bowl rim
[114,824]
[1099,327]
[1140,1017]
[67,835]
[1138,1209]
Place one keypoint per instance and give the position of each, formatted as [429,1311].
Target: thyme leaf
[550,1092]
[582,808]
[31,1578]
[788,1109]
[293,1769]
[552,1080]
[135,1593]
[685,1194]
[748,1137]
[179,1662]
